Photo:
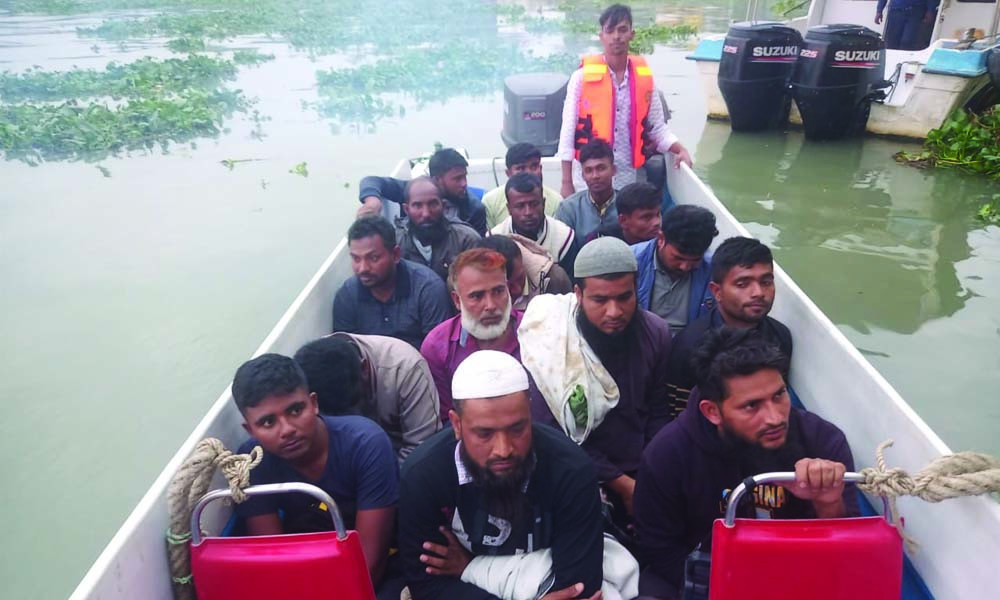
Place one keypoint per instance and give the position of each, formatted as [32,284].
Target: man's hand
[681,155]
[821,482]
[567,189]
[572,591]
[878,18]
[624,486]
[370,206]
[450,559]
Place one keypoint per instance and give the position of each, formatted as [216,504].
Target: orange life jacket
[596,110]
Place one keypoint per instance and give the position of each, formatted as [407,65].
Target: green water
[129,299]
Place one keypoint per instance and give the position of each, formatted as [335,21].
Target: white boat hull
[960,539]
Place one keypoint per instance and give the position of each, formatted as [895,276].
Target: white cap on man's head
[488,374]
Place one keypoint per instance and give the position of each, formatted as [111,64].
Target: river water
[130,299]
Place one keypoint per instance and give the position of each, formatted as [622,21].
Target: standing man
[674,269]
[381,378]
[587,210]
[521,158]
[527,218]
[504,487]
[743,287]
[639,215]
[449,170]
[741,424]
[612,96]
[906,21]
[387,295]
[349,458]
[427,236]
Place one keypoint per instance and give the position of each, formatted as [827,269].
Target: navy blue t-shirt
[361,473]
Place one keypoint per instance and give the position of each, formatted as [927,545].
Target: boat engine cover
[757,63]
[532,110]
[818,559]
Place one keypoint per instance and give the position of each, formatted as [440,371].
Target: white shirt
[625,172]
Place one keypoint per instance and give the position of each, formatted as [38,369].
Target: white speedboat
[959,540]
[926,85]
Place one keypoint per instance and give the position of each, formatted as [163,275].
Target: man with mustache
[629,344]
[521,158]
[743,287]
[639,215]
[426,235]
[740,423]
[528,219]
[497,486]
[388,295]
[348,457]
[486,321]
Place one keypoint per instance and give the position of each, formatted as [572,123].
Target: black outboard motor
[532,110]
[757,62]
[993,66]
[839,73]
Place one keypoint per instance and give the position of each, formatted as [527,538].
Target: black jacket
[470,211]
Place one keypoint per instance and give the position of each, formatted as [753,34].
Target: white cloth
[488,374]
[559,359]
[528,576]
[625,172]
[555,237]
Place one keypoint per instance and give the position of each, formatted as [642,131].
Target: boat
[926,85]
[959,540]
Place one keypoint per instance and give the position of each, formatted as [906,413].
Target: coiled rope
[189,484]
[950,476]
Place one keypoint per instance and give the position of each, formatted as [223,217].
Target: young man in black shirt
[503,486]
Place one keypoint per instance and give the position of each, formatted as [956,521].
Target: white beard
[485,332]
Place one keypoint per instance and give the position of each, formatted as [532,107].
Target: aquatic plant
[989,212]
[965,141]
[300,169]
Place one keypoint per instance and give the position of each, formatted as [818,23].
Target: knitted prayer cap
[488,374]
[604,256]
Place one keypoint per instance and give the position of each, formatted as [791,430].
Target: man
[381,378]
[639,214]
[350,458]
[426,236]
[449,170]
[387,295]
[674,268]
[743,287]
[740,424]
[587,210]
[614,419]
[521,158]
[486,321]
[530,269]
[505,485]
[612,96]
[528,219]
[906,22]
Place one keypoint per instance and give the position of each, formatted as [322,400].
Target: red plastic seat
[311,566]
[819,559]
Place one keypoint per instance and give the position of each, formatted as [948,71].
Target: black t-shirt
[561,511]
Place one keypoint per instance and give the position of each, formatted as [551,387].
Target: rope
[951,476]
[189,484]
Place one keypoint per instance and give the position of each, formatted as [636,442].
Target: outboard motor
[757,62]
[993,66]
[839,73]
[532,110]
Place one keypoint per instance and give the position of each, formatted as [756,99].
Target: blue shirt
[419,302]
[361,473]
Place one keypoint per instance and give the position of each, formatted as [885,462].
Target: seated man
[521,158]
[639,215]
[449,170]
[486,321]
[350,458]
[739,423]
[530,269]
[587,210]
[426,236]
[505,486]
[527,220]
[387,295]
[743,287]
[674,268]
[604,357]
[378,377]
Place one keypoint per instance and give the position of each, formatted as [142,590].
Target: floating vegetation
[989,212]
[648,36]
[300,169]
[965,141]
[230,163]
[186,44]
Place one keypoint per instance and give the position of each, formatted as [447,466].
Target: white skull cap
[488,374]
